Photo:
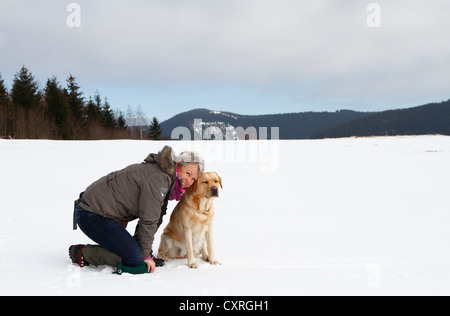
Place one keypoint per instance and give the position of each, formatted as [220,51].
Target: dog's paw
[214,262]
[193,265]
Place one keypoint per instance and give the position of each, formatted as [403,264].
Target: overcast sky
[243,56]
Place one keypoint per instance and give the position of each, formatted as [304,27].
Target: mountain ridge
[292,125]
[432,118]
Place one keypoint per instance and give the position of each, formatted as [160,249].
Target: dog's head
[207,185]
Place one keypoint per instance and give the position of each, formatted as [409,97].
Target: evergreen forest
[59,112]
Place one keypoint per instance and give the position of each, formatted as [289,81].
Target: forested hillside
[291,125]
[433,118]
[56,112]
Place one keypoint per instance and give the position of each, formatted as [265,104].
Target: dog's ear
[220,180]
[194,185]
[192,188]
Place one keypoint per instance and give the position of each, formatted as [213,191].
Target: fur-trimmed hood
[165,159]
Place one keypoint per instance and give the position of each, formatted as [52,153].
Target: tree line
[433,118]
[58,112]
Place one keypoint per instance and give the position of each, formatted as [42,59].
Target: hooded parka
[137,192]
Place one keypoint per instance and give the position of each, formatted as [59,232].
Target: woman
[139,191]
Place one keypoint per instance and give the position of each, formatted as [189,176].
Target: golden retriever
[190,229]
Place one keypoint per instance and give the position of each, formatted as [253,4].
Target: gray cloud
[314,51]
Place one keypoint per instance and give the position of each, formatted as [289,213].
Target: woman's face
[188,175]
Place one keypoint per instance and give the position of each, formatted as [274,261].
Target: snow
[354,216]
[224,114]
[214,130]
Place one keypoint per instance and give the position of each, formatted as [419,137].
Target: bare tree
[141,120]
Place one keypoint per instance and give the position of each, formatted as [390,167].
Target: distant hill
[291,125]
[433,118]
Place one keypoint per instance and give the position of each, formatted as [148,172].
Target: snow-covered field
[357,216]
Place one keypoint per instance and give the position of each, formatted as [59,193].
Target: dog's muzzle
[215,191]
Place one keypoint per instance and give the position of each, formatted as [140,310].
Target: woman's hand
[151,266]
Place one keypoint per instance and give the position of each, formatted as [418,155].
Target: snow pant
[115,244]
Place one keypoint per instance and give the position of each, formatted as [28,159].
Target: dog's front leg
[209,244]
[189,248]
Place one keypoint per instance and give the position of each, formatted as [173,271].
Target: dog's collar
[206,212]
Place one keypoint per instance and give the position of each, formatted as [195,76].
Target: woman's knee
[132,256]
[132,260]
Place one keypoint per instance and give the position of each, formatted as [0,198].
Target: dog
[190,229]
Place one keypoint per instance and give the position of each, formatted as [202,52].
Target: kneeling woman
[139,191]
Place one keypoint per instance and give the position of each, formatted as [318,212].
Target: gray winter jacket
[137,192]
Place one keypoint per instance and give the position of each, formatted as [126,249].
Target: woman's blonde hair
[191,157]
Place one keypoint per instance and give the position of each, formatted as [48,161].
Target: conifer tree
[75,99]
[121,121]
[25,91]
[4,109]
[26,105]
[108,119]
[92,112]
[58,108]
[155,129]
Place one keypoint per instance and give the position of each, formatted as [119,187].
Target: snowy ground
[364,216]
